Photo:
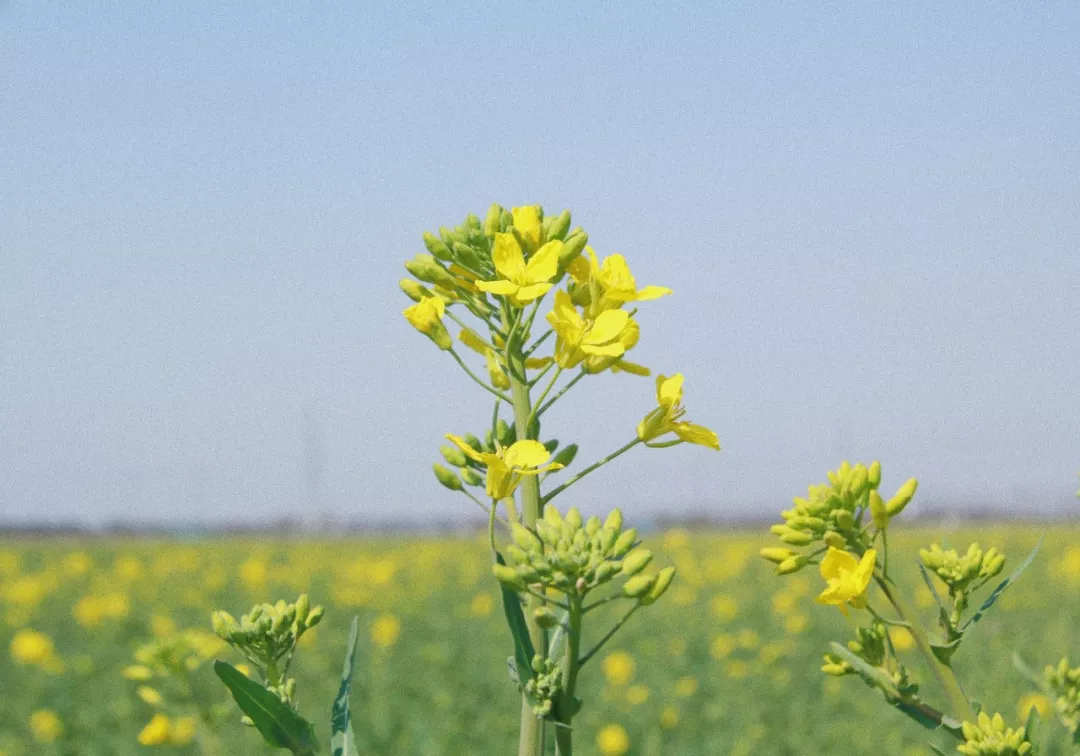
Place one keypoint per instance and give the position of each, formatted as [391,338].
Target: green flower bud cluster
[575,557]
[871,644]
[963,574]
[458,257]
[178,653]
[832,513]
[544,687]
[1063,685]
[465,471]
[267,637]
[989,736]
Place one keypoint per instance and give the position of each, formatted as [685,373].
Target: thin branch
[562,392]
[472,375]
[559,489]
[609,634]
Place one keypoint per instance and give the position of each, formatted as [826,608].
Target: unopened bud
[508,576]
[834,539]
[545,618]
[314,617]
[303,606]
[844,519]
[566,455]
[412,289]
[552,516]
[447,478]
[503,433]
[897,503]
[793,564]
[796,537]
[638,586]
[873,476]
[614,520]
[524,537]
[492,223]
[624,543]
[454,455]
[663,580]
[558,226]
[470,477]
[636,561]
[572,246]
[436,246]
[878,511]
[777,554]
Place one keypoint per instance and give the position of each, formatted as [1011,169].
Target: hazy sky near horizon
[870,217]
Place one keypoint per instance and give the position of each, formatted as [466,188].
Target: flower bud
[508,576]
[638,586]
[302,607]
[604,572]
[314,617]
[624,543]
[878,512]
[776,555]
[436,246]
[453,455]
[572,246]
[503,433]
[796,537]
[428,270]
[663,580]
[524,537]
[573,518]
[897,503]
[447,478]
[873,476]
[614,520]
[552,516]
[470,477]
[792,564]
[592,526]
[545,618]
[834,539]
[844,519]
[412,289]
[557,226]
[493,220]
[636,561]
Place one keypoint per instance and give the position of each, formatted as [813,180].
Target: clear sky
[870,217]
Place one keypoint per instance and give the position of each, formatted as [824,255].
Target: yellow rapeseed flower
[156,731]
[608,335]
[608,285]
[521,281]
[666,417]
[612,740]
[45,726]
[618,668]
[32,648]
[507,466]
[847,578]
[385,630]
[149,695]
[182,731]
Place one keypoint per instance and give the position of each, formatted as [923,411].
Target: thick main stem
[958,701]
[531,740]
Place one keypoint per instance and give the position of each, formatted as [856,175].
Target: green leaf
[936,750]
[342,740]
[519,629]
[1021,666]
[943,616]
[1031,726]
[279,725]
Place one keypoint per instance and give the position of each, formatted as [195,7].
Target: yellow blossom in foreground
[385,630]
[608,285]
[32,648]
[45,725]
[847,578]
[156,731]
[612,740]
[506,467]
[618,668]
[609,335]
[521,281]
[666,417]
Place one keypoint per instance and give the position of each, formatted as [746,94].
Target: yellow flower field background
[729,664]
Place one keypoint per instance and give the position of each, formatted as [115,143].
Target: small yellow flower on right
[847,578]
[666,417]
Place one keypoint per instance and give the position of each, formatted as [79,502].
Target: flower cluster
[574,557]
[267,638]
[988,736]
[1062,683]
[962,574]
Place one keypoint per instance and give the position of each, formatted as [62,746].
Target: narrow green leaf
[1031,726]
[519,629]
[279,725]
[996,593]
[1021,666]
[936,750]
[943,615]
[342,740]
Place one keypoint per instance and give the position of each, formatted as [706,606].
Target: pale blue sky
[870,217]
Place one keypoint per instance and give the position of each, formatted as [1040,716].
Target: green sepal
[279,725]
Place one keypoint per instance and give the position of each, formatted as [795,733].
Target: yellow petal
[837,562]
[502,288]
[607,326]
[624,366]
[531,292]
[696,434]
[652,292]
[604,350]
[669,390]
[545,263]
[527,222]
[470,452]
[472,340]
[536,363]
[527,453]
[508,257]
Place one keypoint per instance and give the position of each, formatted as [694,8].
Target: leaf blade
[342,739]
[279,725]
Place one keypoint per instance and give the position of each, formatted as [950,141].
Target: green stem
[471,374]
[559,489]
[564,733]
[609,635]
[563,390]
[532,347]
[543,395]
[958,701]
[531,738]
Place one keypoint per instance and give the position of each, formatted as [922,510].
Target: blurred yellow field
[729,664]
